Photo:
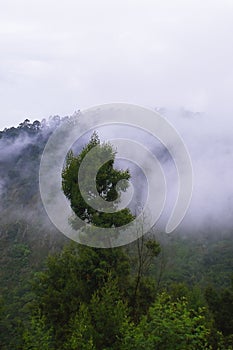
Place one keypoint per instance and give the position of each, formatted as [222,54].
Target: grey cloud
[58,57]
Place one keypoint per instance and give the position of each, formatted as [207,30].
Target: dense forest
[160,292]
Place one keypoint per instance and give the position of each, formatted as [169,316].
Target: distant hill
[27,236]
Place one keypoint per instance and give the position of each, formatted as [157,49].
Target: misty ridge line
[210,146]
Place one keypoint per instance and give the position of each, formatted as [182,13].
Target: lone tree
[107,180]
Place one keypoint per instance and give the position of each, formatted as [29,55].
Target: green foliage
[3,324]
[142,290]
[221,306]
[98,325]
[71,279]
[81,330]
[194,295]
[37,336]
[109,313]
[169,325]
[201,260]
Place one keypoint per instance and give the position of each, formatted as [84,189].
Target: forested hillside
[161,292]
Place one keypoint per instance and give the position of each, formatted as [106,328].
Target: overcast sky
[60,56]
